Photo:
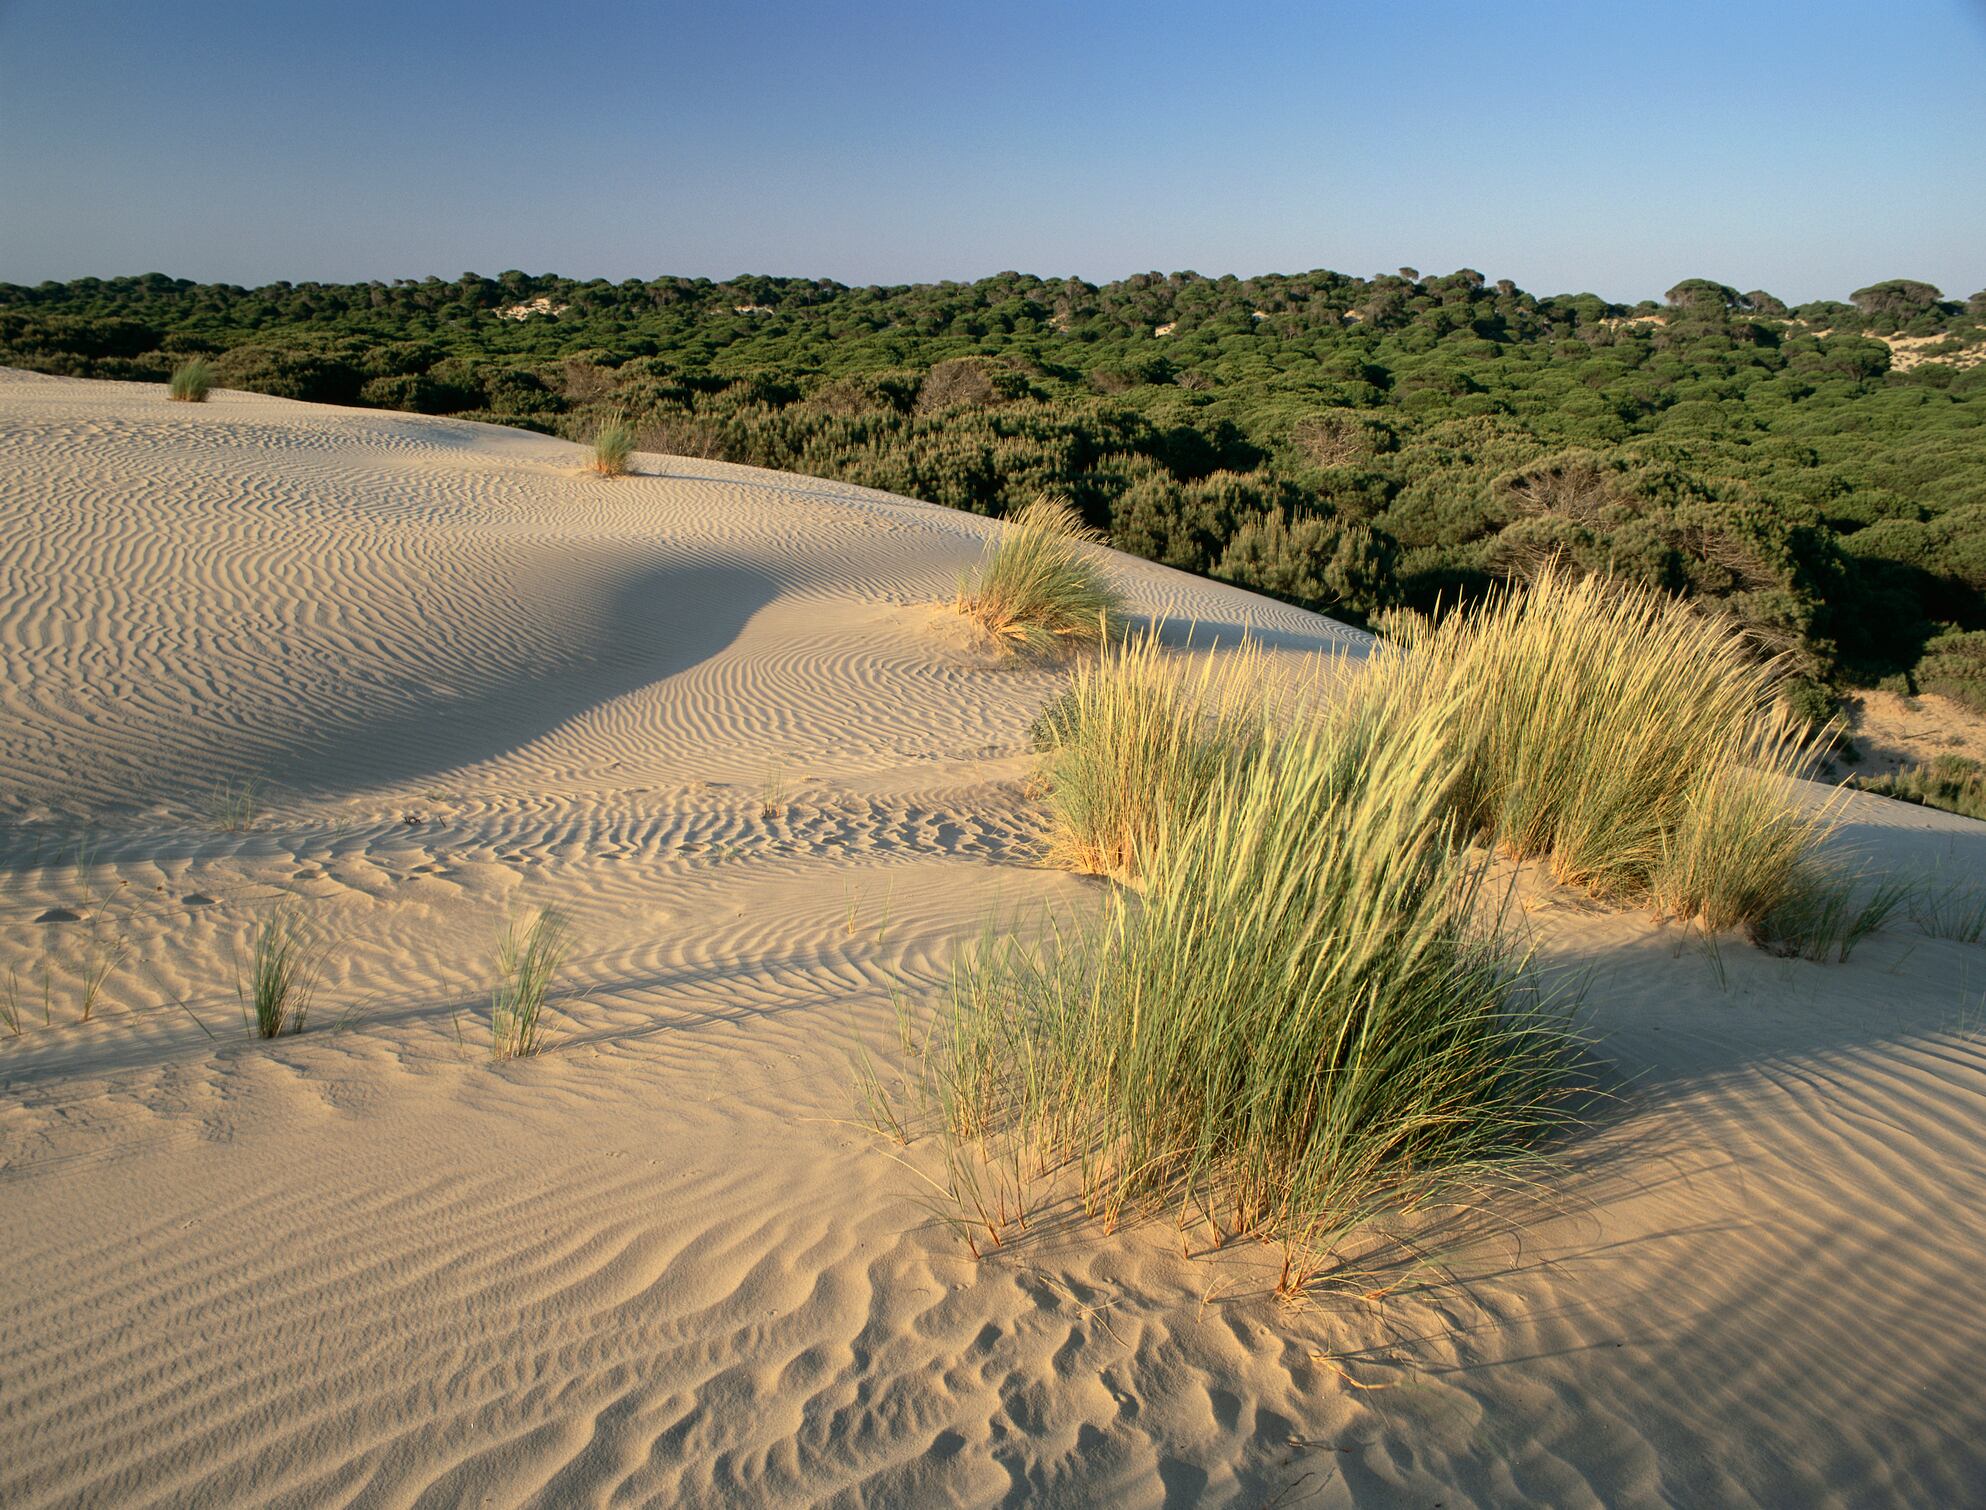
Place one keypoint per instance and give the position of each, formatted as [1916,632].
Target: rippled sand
[710,713]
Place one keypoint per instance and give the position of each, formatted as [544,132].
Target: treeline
[1352,444]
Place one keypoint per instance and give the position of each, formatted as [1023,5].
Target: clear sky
[1802,146]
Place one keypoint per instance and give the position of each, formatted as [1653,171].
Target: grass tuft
[1631,744]
[528,961]
[234,806]
[1828,914]
[1042,587]
[1952,783]
[191,382]
[282,975]
[1954,911]
[1304,1017]
[1130,748]
[613,445]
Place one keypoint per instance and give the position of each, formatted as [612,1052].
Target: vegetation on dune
[613,445]
[1628,741]
[282,974]
[529,959]
[1952,782]
[1132,746]
[1355,444]
[1042,586]
[1305,1014]
[191,381]
[1308,1010]
[1831,911]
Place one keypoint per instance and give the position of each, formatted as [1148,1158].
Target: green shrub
[192,380]
[312,376]
[1954,666]
[1042,586]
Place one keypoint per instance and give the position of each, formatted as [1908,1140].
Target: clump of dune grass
[528,961]
[1042,587]
[1828,913]
[1131,746]
[1951,910]
[192,380]
[282,974]
[613,445]
[1631,744]
[1307,1015]
[1953,783]
[233,806]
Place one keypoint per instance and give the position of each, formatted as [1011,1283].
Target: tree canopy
[1353,444]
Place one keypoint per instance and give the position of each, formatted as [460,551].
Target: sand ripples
[708,715]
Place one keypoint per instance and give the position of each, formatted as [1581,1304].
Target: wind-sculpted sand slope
[707,712]
[339,600]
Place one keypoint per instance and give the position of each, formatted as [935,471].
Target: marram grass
[1042,587]
[191,382]
[282,974]
[613,446]
[1132,745]
[1308,1013]
[1629,743]
[528,962]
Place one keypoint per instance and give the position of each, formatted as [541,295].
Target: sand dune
[665,1264]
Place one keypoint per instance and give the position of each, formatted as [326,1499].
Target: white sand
[662,1264]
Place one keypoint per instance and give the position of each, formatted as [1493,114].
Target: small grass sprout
[1042,587]
[774,795]
[191,382]
[283,966]
[233,806]
[528,962]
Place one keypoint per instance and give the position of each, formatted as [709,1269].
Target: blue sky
[1802,146]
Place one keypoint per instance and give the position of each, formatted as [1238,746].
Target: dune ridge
[664,1263]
